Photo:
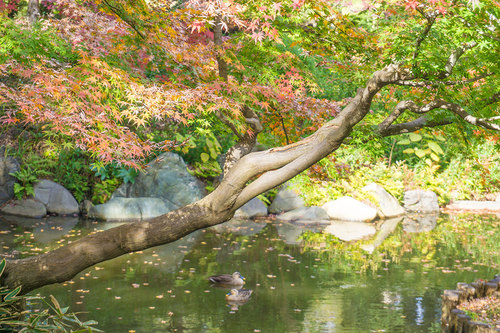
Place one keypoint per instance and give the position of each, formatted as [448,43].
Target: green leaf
[435,157]
[409,151]
[414,137]
[204,157]
[2,266]
[12,294]
[435,147]
[420,153]
[404,142]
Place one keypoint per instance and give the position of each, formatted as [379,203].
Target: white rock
[349,209]
[350,231]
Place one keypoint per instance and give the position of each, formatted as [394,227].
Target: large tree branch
[275,165]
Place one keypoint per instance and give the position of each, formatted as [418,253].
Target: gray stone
[350,231]
[421,201]
[253,208]
[130,209]
[349,209]
[387,205]
[26,207]
[167,178]
[8,165]
[313,213]
[85,206]
[287,199]
[56,198]
[419,222]
[493,206]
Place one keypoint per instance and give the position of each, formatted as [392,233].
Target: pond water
[299,285]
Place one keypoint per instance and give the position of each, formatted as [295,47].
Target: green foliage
[28,45]
[424,147]
[25,181]
[50,318]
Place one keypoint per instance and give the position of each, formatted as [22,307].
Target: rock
[419,223]
[498,198]
[286,199]
[350,231]
[85,206]
[130,209]
[26,208]
[387,205]
[8,165]
[56,198]
[349,209]
[167,178]
[421,201]
[313,213]
[492,206]
[253,208]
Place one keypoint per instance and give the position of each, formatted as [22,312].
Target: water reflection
[294,288]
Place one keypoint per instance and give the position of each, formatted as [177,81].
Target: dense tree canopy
[124,79]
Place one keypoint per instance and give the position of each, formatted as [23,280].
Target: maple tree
[108,69]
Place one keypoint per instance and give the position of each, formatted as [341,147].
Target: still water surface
[295,289]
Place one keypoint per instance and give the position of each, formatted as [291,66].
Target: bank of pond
[303,280]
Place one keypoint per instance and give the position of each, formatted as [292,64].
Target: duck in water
[235,279]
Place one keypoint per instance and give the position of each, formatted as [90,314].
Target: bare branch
[412,126]
[454,57]
[410,83]
[431,18]
[459,111]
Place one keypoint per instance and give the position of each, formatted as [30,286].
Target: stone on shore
[387,206]
[349,209]
[422,201]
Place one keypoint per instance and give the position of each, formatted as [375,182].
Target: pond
[300,283]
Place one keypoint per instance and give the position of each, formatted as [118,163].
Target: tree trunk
[274,166]
[33,11]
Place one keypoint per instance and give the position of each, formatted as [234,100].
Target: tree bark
[274,166]
[33,11]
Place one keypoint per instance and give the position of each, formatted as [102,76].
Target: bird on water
[235,279]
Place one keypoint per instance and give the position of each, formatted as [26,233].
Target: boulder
[8,165]
[287,199]
[26,208]
[309,214]
[420,222]
[350,231]
[349,209]
[56,198]
[130,209]
[387,205]
[253,208]
[167,178]
[421,201]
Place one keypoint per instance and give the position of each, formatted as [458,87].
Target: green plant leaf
[12,294]
[414,137]
[435,157]
[204,157]
[409,151]
[435,147]
[2,266]
[404,142]
[420,153]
